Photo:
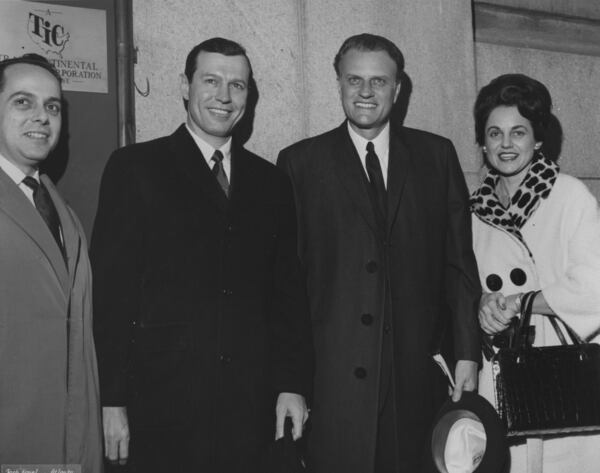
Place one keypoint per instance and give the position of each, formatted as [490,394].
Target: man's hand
[294,406]
[465,376]
[496,312]
[116,434]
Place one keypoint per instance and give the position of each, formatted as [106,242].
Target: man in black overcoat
[385,237]
[201,318]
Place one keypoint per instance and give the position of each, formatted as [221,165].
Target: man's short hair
[32,59]
[223,46]
[370,42]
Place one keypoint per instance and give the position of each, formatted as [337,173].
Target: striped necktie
[45,206]
[219,172]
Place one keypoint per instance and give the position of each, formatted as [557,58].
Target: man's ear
[184,87]
[397,92]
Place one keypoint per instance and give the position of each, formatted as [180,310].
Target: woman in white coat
[534,229]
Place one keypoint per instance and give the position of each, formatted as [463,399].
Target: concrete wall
[292,44]
[581,8]
[572,77]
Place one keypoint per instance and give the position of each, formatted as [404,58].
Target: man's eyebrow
[20,92]
[30,95]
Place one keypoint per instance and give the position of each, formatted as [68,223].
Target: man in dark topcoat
[385,237]
[201,317]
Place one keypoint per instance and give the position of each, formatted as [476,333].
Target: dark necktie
[219,172]
[46,208]
[376,179]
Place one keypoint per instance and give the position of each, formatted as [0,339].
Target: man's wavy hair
[370,42]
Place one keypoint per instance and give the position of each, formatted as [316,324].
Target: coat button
[493,282]
[518,277]
[371,267]
[360,372]
[366,319]
[387,328]
[225,358]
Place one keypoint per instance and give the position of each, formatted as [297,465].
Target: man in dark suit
[385,236]
[201,317]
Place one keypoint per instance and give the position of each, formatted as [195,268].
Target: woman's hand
[496,311]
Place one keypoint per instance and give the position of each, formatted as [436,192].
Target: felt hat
[468,437]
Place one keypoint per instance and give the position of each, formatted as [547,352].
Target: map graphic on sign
[73,39]
[49,36]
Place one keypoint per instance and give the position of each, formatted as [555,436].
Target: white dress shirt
[382,148]
[207,151]
[17,176]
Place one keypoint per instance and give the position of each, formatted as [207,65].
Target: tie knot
[370,147]
[31,182]
[217,157]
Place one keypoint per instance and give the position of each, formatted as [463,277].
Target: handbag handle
[522,339]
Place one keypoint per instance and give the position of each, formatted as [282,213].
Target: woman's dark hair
[530,96]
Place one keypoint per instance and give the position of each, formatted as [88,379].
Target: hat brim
[471,405]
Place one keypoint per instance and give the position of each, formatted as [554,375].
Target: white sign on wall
[73,39]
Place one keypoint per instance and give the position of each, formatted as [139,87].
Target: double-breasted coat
[369,282]
[201,312]
[49,400]
[560,257]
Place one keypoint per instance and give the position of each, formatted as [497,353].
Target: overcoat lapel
[351,174]
[16,205]
[194,169]
[242,188]
[71,237]
[399,166]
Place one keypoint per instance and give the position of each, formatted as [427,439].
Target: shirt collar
[208,150]
[381,142]
[14,172]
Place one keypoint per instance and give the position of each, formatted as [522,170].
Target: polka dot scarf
[536,185]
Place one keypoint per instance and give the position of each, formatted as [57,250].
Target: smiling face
[30,115]
[509,142]
[368,89]
[216,95]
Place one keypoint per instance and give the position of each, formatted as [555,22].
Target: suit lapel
[351,174]
[16,205]
[193,167]
[399,166]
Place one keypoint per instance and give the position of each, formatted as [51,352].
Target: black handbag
[547,390]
